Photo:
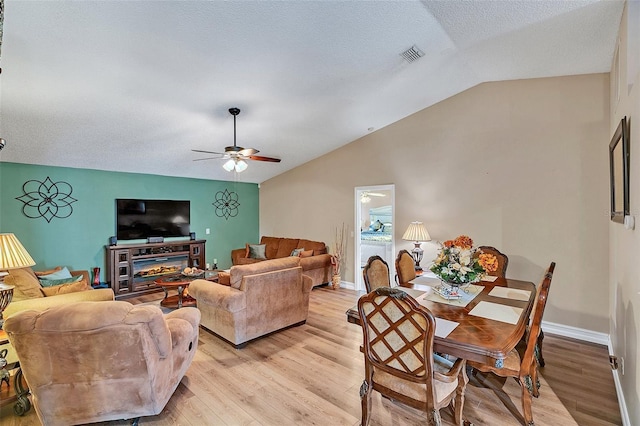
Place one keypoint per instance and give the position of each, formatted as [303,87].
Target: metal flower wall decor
[226,204]
[47,199]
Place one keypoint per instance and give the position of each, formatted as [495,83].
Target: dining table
[482,325]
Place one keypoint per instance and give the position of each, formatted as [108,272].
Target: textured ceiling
[135,85]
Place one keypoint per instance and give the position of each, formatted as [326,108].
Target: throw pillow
[257,251]
[58,275]
[66,288]
[51,283]
[50,271]
[25,282]
[306,253]
[296,252]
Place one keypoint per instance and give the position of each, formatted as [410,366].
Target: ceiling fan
[236,155]
[365,197]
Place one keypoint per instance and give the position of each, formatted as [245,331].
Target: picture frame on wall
[619,157]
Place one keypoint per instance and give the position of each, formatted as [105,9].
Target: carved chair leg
[365,400]
[435,418]
[535,382]
[526,401]
[463,379]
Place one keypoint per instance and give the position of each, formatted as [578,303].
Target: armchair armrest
[238,254]
[315,262]
[218,296]
[453,372]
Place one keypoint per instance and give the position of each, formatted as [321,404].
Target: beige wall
[625,244]
[520,165]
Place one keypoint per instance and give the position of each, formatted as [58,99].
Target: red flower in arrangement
[448,243]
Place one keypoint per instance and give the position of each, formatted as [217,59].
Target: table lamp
[418,234]
[13,255]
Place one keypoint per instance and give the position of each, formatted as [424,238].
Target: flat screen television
[141,219]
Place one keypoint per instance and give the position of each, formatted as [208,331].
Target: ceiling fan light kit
[239,165]
[235,155]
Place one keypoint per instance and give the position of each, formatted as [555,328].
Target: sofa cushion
[26,284]
[47,272]
[73,287]
[297,252]
[306,253]
[318,247]
[51,283]
[286,247]
[272,244]
[257,251]
[57,275]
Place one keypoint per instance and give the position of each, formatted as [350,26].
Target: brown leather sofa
[316,265]
[261,298]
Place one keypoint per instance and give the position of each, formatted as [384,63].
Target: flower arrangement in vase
[459,263]
[337,255]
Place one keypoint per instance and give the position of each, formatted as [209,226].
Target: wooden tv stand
[132,268]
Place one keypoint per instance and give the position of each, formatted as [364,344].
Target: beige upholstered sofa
[97,361]
[29,295]
[314,260]
[262,298]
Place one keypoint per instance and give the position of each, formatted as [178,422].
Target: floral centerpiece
[459,263]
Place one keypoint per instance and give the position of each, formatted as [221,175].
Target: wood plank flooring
[310,375]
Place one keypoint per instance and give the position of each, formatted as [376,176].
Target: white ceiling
[135,85]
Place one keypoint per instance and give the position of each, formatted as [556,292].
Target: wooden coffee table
[180,283]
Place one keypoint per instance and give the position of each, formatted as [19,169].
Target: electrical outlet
[613,361]
[207,231]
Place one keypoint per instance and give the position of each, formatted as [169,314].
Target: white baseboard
[624,412]
[348,285]
[575,333]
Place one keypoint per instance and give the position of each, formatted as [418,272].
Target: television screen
[141,219]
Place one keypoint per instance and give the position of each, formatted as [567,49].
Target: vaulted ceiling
[136,85]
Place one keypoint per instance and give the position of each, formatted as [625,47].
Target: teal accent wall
[79,240]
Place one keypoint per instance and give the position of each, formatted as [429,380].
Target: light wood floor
[310,375]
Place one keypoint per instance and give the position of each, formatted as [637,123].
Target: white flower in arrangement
[465,257]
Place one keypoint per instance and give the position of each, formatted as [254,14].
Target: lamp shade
[416,232]
[13,254]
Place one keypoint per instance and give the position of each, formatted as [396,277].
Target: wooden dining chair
[521,362]
[376,273]
[503,260]
[398,357]
[405,267]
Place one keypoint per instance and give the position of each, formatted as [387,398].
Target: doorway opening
[375,225]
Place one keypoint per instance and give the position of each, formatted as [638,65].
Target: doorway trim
[358,280]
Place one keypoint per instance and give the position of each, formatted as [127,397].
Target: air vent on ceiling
[412,54]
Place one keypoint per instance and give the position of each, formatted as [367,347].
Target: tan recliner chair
[261,298]
[98,361]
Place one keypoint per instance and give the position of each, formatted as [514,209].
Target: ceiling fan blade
[208,152]
[247,152]
[208,158]
[261,158]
